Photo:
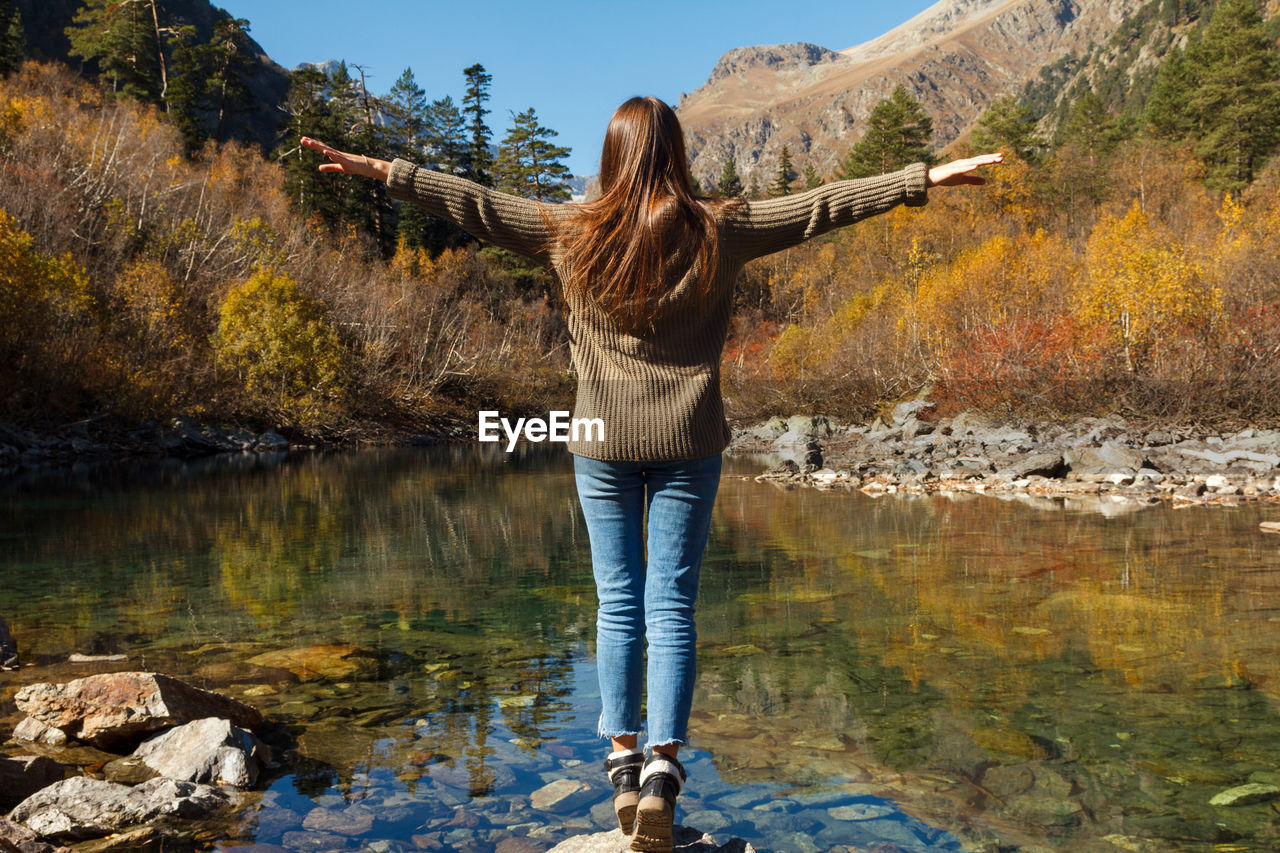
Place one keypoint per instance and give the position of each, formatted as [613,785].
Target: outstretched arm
[508,221]
[763,227]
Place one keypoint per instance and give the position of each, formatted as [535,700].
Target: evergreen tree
[898,133]
[13,40]
[308,106]
[730,184]
[120,35]
[753,191]
[1007,126]
[479,162]
[446,135]
[812,180]
[1235,101]
[1166,114]
[185,96]
[1091,127]
[529,162]
[694,184]
[408,114]
[785,175]
[229,70]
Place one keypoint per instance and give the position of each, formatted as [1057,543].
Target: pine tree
[229,69]
[898,133]
[1166,114]
[408,113]
[13,40]
[730,184]
[753,191]
[784,176]
[529,162]
[1235,102]
[479,161]
[1007,126]
[1091,127]
[120,35]
[446,135]
[308,106]
[185,96]
[812,180]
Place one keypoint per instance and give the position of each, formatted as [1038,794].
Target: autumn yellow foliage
[279,340]
[1144,288]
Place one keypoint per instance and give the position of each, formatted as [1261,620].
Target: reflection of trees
[1121,655]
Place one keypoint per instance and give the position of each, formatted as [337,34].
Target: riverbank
[910,450]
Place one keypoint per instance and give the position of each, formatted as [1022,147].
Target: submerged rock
[312,663]
[1245,795]
[112,708]
[561,795]
[209,750]
[686,841]
[80,807]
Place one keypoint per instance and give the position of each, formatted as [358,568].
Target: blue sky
[573,61]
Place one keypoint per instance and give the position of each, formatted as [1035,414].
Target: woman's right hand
[349,164]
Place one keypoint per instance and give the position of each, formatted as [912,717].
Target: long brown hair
[619,250]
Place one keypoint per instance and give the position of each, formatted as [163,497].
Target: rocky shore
[910,450]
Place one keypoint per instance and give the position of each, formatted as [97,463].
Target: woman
[648,272]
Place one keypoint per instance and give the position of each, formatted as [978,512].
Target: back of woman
[648,271]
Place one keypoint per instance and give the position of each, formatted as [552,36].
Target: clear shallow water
[934,673]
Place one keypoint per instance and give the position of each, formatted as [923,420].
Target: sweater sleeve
[763,227]
[508,221]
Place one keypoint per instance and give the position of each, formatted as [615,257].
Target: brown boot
[624,772]
[660,784]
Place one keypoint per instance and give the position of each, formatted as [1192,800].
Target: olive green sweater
[657,393]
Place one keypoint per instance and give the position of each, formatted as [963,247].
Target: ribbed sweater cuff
[400,181]
[916,177]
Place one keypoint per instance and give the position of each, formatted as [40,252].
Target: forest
[1122,259]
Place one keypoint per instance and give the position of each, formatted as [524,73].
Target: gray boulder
[15,838]
[1102,460]
[209,750]
[686,840]
[109,709]
[23,775]
[34,731]
[1043,464]
[80,807]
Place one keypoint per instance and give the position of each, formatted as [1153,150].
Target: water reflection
[420,623]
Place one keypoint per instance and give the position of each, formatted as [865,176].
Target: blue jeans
[651,598]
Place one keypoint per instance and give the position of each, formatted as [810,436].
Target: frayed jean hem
[600,730]
[674,741]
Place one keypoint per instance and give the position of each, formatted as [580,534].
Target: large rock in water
[208,750]
[686,840]
[16,838]
[81,807]
[115,707]
[23,775]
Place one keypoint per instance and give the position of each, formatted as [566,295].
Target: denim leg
[612,498]
[681,496]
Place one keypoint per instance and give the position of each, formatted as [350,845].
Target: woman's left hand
[957,171]
[349,164]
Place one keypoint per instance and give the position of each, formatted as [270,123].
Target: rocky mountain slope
[955,57]
[45,22]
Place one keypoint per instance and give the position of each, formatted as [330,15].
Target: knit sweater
[657,392]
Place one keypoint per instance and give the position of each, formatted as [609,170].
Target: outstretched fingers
[957,171]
